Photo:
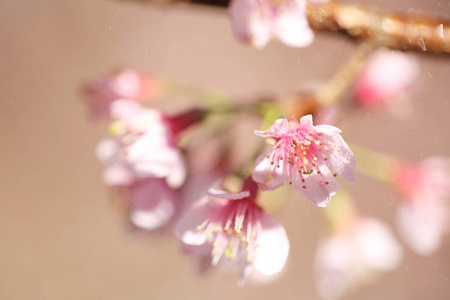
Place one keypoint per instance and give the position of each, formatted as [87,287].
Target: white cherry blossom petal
[273,247]
[292,28]
[187,229]
[151,204]
[270,176]
[317,189]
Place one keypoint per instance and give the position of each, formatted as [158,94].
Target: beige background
[60,236]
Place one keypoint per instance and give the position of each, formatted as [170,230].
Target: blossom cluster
[146,159]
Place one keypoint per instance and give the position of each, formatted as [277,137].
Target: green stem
[374,164]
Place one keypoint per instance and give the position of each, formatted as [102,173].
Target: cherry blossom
[353,254]
[423,216]
[141,145]
[309,156]
[232,227]
[257,22]
[387,76]
[120,84]
[141,156]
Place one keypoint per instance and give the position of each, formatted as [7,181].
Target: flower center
[305,151]
[232,227]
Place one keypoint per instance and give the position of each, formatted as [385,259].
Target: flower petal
[341,158]
[327,129]
[215,193]
[124,108]
[292,27]
[315,187]
[117,175]
[269,175]
[306,120]
[186,227]
[273,250]
[177,174]
[249,24]
[106,150]
[151,156]
[333,262]
[420,230]
[151,204]
[278,128]
[377,245]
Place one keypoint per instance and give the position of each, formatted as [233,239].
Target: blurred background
[61,238]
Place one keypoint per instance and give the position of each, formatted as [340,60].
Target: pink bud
[387,75]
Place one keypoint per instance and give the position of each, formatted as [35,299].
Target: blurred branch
[381,27]
[373,25]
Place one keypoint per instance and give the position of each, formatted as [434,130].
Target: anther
[304,186]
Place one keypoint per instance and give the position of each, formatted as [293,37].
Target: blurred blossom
[387,76]
[120,84]
[142,156]
[353,254]
[423,217]
[309,156]
[142,146]
[235,231]
[257,22]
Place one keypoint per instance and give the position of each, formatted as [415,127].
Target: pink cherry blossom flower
[121,84]
[233,228]
[387,76]
[353,254]
[308,156]
[258,21]
[142,146]
[423,216]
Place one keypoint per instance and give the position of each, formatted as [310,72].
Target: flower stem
[374,164]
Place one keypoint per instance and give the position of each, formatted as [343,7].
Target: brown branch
[369,24]
[382,28]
